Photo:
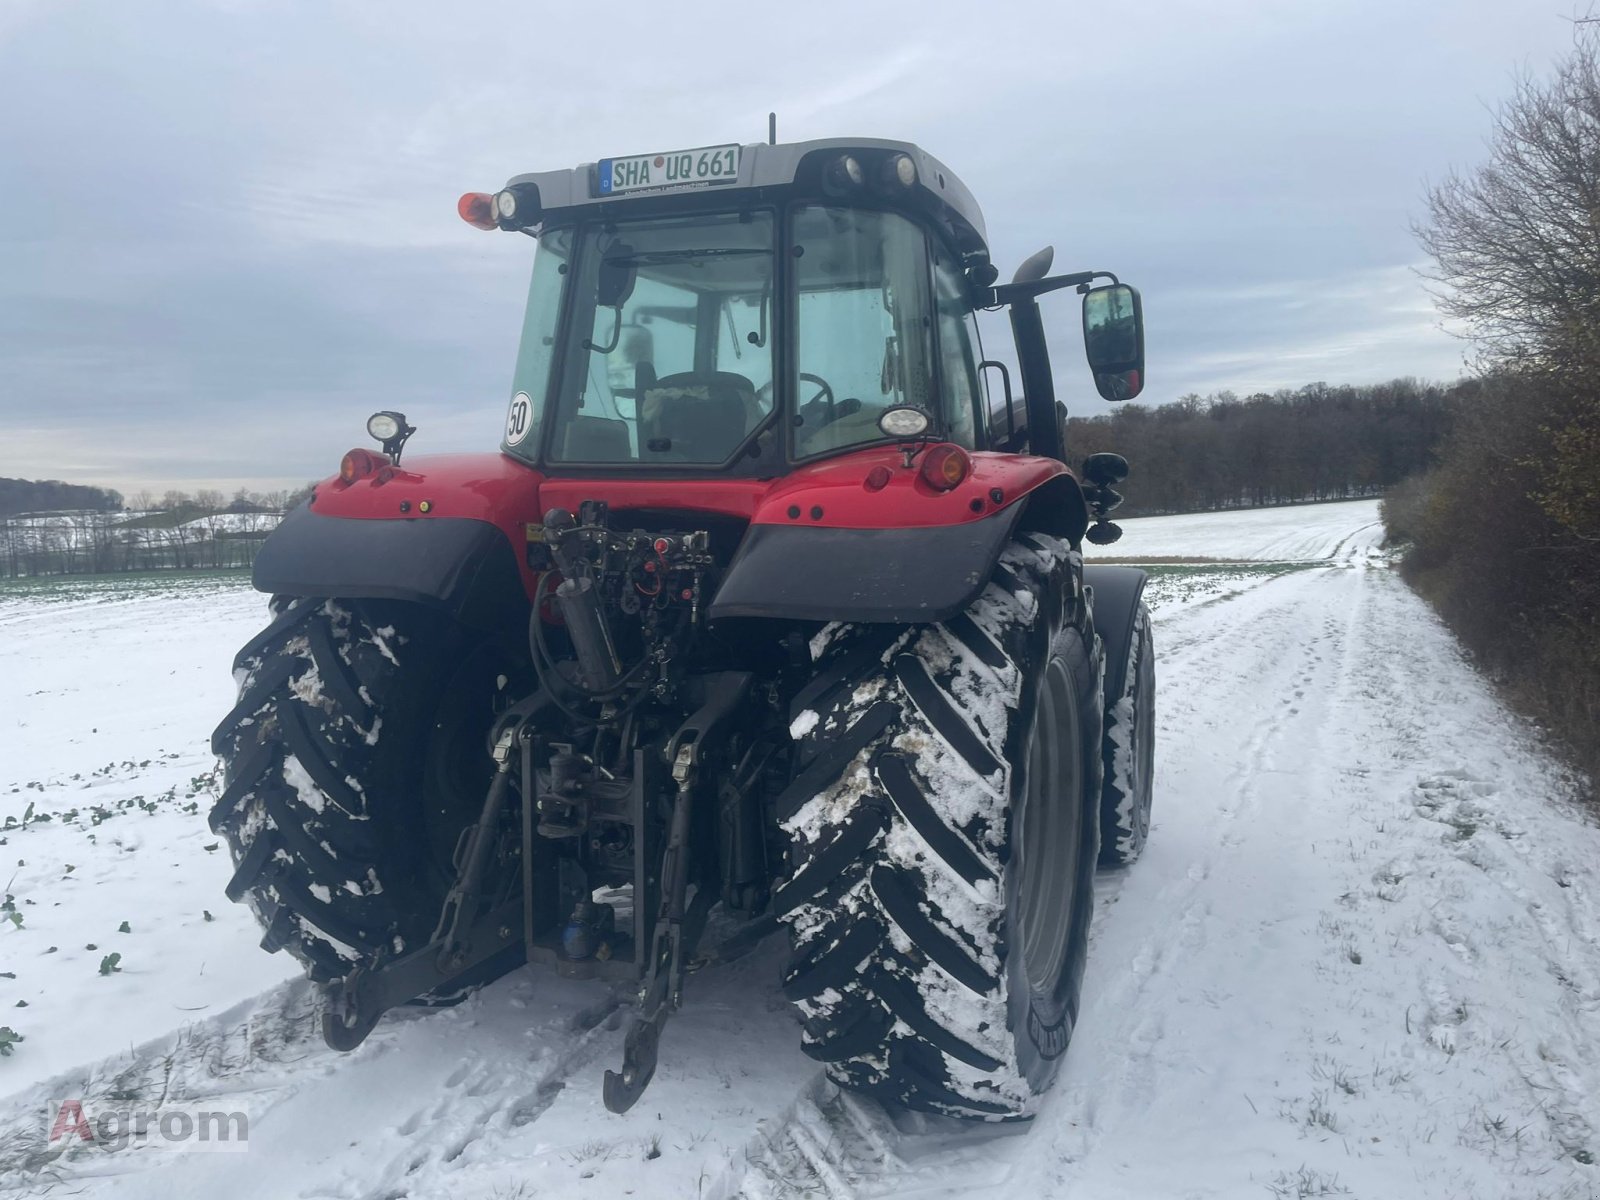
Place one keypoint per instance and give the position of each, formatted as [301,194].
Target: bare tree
[1517,248]
[1517,240]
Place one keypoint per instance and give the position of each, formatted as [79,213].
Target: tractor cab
[740,310]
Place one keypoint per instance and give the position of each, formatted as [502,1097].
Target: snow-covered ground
[1361,955]
[108,689]
[1303,533]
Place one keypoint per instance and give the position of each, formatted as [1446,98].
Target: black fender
[1116,594]
[900,575]
[461,565]
[895,576]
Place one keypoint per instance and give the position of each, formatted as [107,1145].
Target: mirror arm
[1010,293]
[616,335]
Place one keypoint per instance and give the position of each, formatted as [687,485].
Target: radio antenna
[772,129]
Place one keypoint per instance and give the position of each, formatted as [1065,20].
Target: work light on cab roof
[772,578]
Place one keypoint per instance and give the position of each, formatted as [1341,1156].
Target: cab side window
[863,341]
[958,358]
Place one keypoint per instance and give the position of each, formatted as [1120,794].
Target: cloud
[227,230]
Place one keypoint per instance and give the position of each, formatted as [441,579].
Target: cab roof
[795,168]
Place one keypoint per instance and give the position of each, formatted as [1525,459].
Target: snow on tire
[1129,753]
[313,750]
[943,771]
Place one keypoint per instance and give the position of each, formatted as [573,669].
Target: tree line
[52,528]
[51,495]
[1318,442]
[1504,532]
[33,496]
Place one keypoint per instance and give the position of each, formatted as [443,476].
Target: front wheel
[1129,752]
[945,830]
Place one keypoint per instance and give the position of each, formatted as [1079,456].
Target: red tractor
[763,617]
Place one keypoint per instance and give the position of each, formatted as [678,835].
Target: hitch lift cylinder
[591,640]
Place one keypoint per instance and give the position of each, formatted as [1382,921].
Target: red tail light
[477,210]
[944,466]
[358,464]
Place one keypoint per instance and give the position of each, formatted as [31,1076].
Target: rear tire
[353,758]
[1129,753]
[945,830]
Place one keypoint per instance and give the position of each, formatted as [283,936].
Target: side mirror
[1105,469]
[613,285]
[1113,339]
[616,277]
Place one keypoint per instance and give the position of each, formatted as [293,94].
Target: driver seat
[695,416]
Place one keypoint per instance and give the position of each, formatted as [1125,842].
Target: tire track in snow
[1338,554]
[484,1098]
[1286,682]
[1394,1024]
[498,1094]
[1543,906]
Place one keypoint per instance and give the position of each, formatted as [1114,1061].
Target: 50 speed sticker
[519,419]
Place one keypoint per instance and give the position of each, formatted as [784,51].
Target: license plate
[676,168]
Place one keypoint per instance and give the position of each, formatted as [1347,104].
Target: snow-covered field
[1303,533]
[107,689]
[1361,955]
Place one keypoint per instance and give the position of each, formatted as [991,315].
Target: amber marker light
[358,464]
[945,466]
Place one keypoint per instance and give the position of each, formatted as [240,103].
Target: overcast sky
[227,229]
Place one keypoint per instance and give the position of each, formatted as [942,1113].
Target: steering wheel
[824,393]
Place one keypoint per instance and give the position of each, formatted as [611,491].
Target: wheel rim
[1049,837]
